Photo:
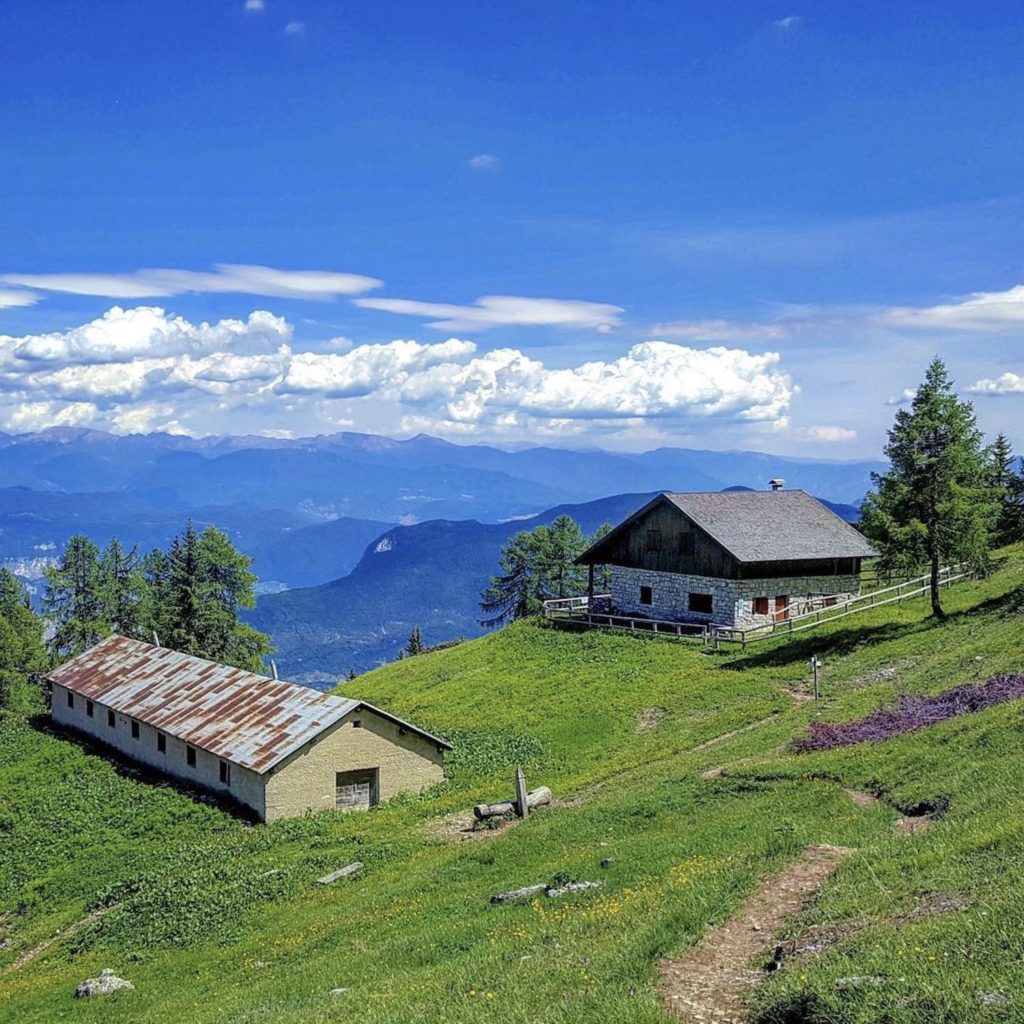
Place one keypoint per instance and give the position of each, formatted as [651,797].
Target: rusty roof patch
[239,716]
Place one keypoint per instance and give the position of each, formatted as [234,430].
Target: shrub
[912,713]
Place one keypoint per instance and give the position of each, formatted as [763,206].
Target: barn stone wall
[245,786]
[732,600]
[305,781]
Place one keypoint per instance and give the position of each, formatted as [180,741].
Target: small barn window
[111,720]
[190,756]
[646,595]
[701,603]
[654,540]
[135,730]
[357,723]
[760,605]
[88,708]
[71,699]
[687,544]
[161,743]
[225,773]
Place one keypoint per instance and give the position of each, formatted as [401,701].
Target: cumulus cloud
[254,6]
[122,334]
[295,28]
[905,397]
[146,369]
[1006,384]
[827,434]
[720,330]
[981,311]
[484,162]
[239,278]
[503,311]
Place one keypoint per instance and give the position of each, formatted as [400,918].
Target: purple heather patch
[912,713]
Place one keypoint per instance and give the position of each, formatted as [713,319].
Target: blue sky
[757,221]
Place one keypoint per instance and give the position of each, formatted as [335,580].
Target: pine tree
[935,505]
[414,645]
[1007,480]
[121,585]
[22,651]
[73,601]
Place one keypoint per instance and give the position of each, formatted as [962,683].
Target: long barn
[273,747]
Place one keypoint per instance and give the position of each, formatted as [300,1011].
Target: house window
[760,605]
[646,595]
[654,540]
[88,708]
[111,720]
[71,699]
[190,756]
[701,603]
[687,544]
[161,743]
[135,730]
[225,773]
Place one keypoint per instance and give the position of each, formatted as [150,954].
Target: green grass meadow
[216,920]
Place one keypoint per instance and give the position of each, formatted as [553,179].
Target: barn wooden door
[356,791]
[781,607]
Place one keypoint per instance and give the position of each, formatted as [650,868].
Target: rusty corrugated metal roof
[239,716]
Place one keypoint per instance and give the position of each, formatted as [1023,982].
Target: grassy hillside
[217,921]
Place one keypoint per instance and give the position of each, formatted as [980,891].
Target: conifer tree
[1007,479]
[414,645]
[73,601]
[935,505]
[22,651]
[121,585]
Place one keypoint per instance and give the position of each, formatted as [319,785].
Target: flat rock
[348,869]
[106,984]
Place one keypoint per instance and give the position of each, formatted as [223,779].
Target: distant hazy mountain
[428,575]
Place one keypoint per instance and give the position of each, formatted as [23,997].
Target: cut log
[535,798]
[349,869]
[518,894]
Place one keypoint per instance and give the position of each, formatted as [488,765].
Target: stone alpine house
[275,748]
[731,558]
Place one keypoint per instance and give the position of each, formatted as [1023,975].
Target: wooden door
[781,607]
[356,790]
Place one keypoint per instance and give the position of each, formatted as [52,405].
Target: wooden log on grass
[535,798]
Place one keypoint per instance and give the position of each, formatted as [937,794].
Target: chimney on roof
[777,483]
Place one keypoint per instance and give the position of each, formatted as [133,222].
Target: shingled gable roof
[759,526]
[236,715]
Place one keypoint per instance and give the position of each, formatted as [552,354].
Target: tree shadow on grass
[781,652]
[137,772]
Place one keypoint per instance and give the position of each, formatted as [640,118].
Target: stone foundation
[732,600]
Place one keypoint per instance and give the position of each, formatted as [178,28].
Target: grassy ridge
[217,921]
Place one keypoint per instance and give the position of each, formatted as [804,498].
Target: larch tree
[23,657]
[122,586]
[73,600]
[935,505]
[1007,479]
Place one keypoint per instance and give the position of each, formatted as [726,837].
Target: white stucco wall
[733,600]
[246,786]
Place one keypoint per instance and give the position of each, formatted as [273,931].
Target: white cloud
[787,24]
[981,311]
[122,334]
[503,311]
[827,434]
[141,369]
[720,330]
[903,398]
[255,6]
[239,278]
[366,369]
[1006,384]
[9,298]
[484,162]
[295,28]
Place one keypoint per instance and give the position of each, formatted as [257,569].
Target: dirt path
[908,823]
[30,954]
[710,982]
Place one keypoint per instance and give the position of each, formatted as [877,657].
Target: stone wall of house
[732,600]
